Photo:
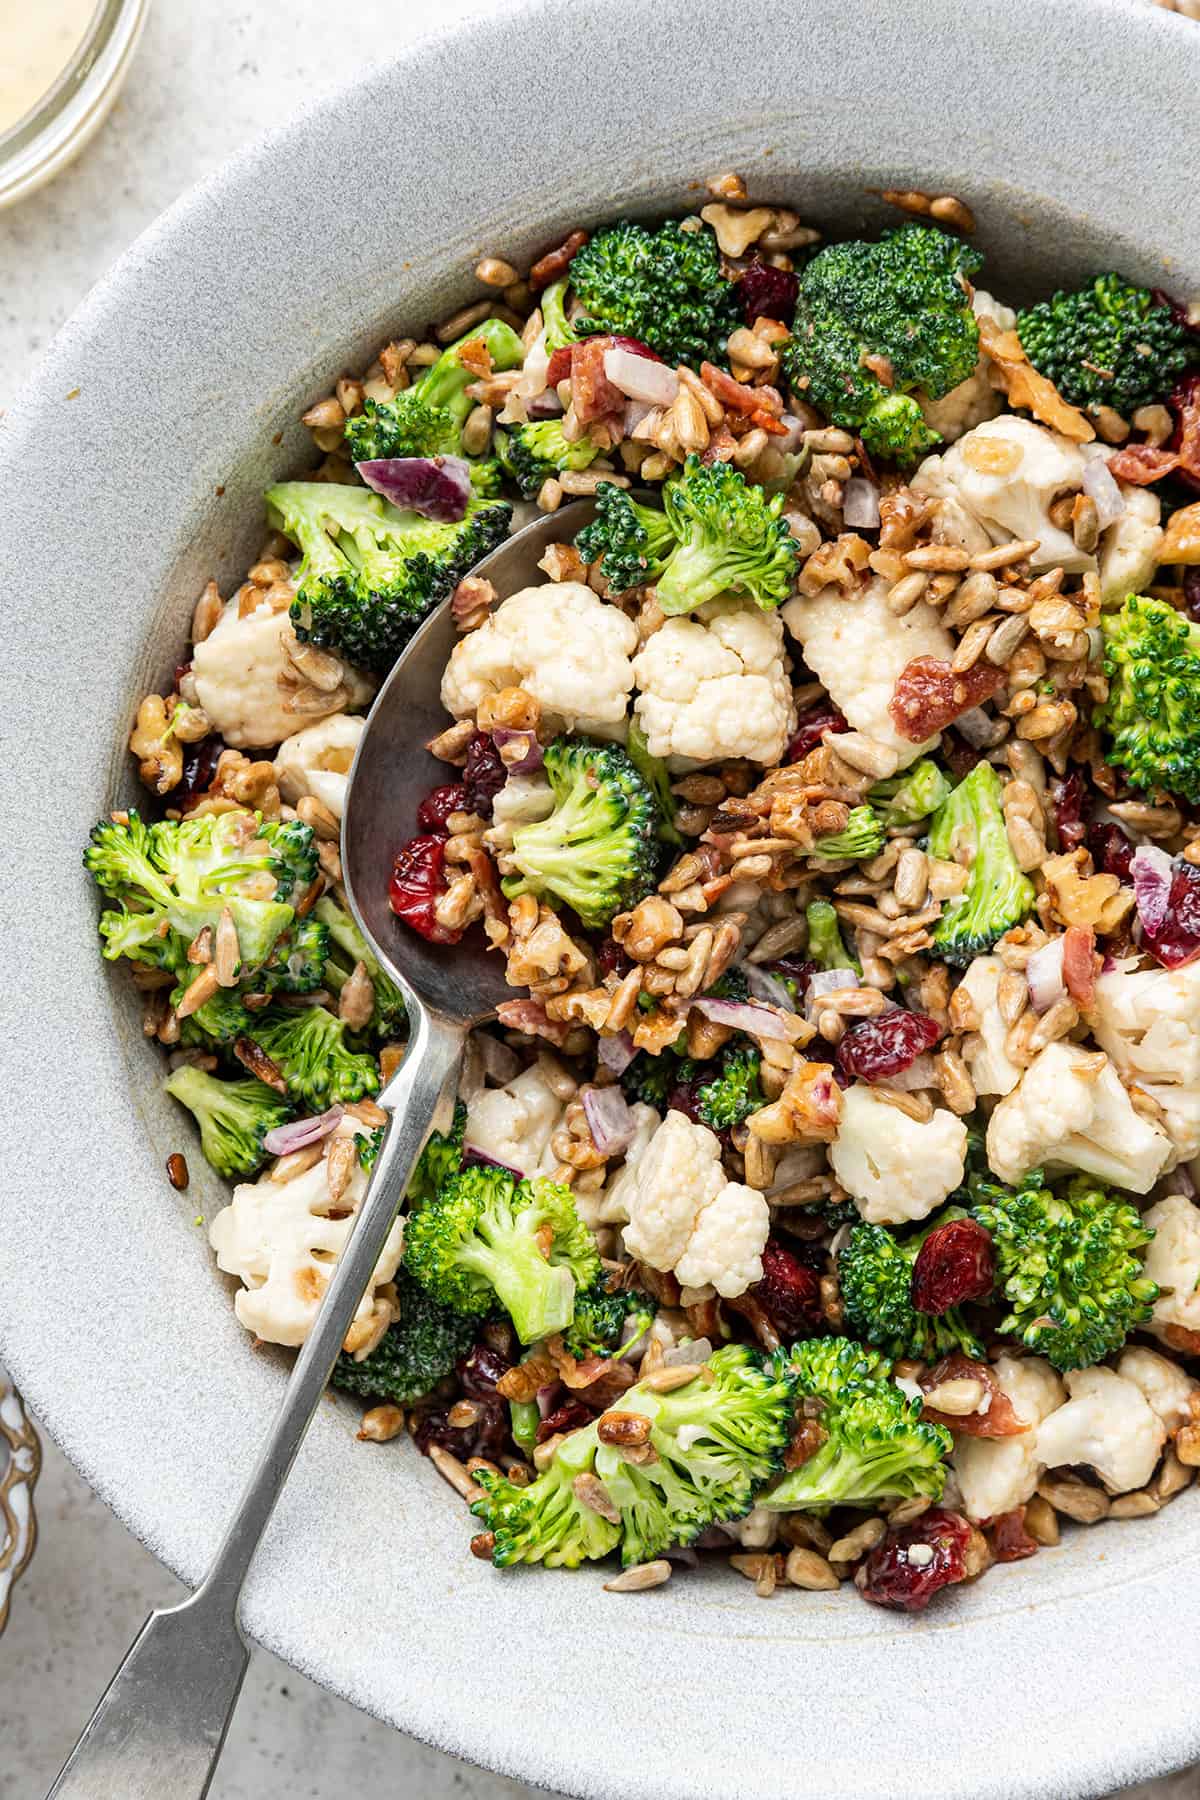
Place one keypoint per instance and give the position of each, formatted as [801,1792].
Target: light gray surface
[220,326]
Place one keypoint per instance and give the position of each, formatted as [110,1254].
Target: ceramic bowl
[132,470]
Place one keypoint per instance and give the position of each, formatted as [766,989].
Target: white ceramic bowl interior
[130,472]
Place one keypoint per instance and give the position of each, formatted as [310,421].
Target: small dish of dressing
[62,63]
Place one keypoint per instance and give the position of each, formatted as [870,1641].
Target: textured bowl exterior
[130,471]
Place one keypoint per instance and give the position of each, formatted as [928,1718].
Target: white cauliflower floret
[611,1205]
[523,800]
[1129,548]
[858,648]
[715,685]
[1173,1261]
[513,1124]
[1005,473]
[1180,1118]
[243,677]
[562,644]
[992,1069]
[1168,1389]
[1064,1115]
[974,399]
[895,1168]
[997,1474]
[1149,1022]
[278,1239]
[679,1181]
[1107,1424]
[316,762]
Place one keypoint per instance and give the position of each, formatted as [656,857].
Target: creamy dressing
[38,38]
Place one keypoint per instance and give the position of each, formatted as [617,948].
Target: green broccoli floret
[175,878]
[309,1049]
[297,963]
[714,1443]
[825,944]
[1151,719]
[427,418]
[600,1318]
[969,826]
[875,1274]
[907,799]
[482,1241]
[532,453]
[732,537]
[905,300]
[657,776]
[650,1078]
[413,1355]
[598,850]
[875,1446]
[631,542]
[861,838]
[558,328]
[662,286]
[1108,344]
[370,572]
[219,1022]
[734,1092]
[441,1158]
[234,1117]
[1069,1264]
[348,946]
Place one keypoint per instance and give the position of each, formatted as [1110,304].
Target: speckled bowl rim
[159,404]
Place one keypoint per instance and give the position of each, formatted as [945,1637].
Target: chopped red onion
[681,1554]
[1044,973]
[547,1398]
[533,757]
[635,412]
[980,731]
[1101,488]
[1152,871]
[437,487]
[685,1355]
[826,981]
[860,506]
[546,405]
[473,1156]
[793,437]
[766,987]
[743,1015]
[640,378]
[609,1119]
[500,1061]
[920,1073]
[615,1052]
[299,1133]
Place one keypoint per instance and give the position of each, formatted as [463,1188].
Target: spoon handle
[161,1723]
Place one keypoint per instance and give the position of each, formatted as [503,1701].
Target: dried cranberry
[488,1436]
[768,293]
[684,1097]
[796,969]
[959,756]
[1111,850]
[567,1417]
[930,694]
[612,959]
[480,1370]
[559,366]
[1191,592]
[810,727]
[418,879]
[1177,939]
[484,774]
[436,807]
[877,1049]
[1010,1540]
[955,1263]
[182,669]
[890,1577]
[789,1293]
[199,768]
[1069,797]
[1185,439]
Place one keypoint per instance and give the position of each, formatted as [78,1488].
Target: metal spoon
[161,1724]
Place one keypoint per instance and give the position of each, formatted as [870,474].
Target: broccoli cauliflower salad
[824,1198]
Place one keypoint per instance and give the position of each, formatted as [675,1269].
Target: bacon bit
[739,398]
[768,422]
[1178,1337]
[592,393]
[1079,965]
[529,1016]
[554,263]
[929,695]
[559,367]
[1010,1540]
[1140,464]
[1025,387]
[998,1420]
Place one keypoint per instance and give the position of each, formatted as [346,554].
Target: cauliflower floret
[1167,1388]
[678,1182]
[562,644]
[513,1124]
[277,1238]
[1149,1022]
[1173,1261]
[611,1205]
[715,685]
[1180,1120]
[1005,473]
[974,399]
[523,800]
[1109,1425]
[997,1474]
[1129,548]
[316,761]
[857,647]
[992,1069]
[893,1167]
[238,671]
[1063,1114]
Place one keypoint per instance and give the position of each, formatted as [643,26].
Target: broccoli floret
[903,300]
[482,1241]
[875,1274]
[413,1355]
[1069,1265]
[733,539]
[175,878]
[734,1093]
[218,1023]
[631,542]
[600,1319]
[298,961]
[558,328]
[656,775]
[907,799]
[441,1158]
[427,418]
[997,895]
[714,1443]
[1108,344]
[664,287]
[234,1117]
[862,837]
[370,572]
[598,850]
[1151,719]
[875,1444]
[650,1078]
[348,946]
[825,945]
[309,1049]
[532,453]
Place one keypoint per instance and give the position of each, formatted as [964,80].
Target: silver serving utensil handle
[161,1723]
